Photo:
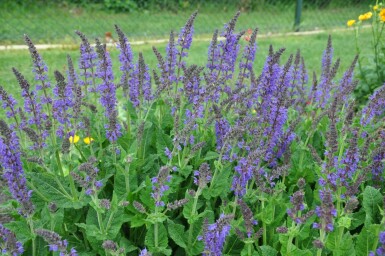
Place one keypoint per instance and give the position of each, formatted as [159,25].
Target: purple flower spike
[107,90]
[214,235]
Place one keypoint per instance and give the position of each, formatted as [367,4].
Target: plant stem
[30,222]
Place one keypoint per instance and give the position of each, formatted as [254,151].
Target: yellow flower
[350,23]
[365,16]
[375,8]
[74,139]
[382,15]
[88,140]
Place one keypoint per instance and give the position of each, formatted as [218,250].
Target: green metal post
[297,19]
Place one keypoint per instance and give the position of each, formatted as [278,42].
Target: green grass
[311,46]
[49,23]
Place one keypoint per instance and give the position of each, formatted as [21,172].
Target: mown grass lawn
[311,46]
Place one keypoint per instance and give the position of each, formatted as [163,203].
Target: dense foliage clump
[181,159]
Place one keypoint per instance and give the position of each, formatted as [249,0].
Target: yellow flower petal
[375,8]
[88,140]
[74,139]
[365,16]
[382,15]
[350,23]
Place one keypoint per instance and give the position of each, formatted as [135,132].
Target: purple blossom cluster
[159,185]
[87,63]
[214,235]
[56,244]
[87,177]
[10,159]
[8,243]
[126,60]
[107,91]
[326,212]
[41,72]
[140,84]
[62,102]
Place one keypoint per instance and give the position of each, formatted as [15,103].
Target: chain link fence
[55,21]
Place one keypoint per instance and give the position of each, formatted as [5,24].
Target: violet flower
[126,60]
[326,212]
[215,234]
[140,84]
[56,244]
[41,71]
[159,185]
[87,62]
[8,243]
[61,104]
[10,159]
[107,91]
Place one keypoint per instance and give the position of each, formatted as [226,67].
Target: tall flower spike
[214,235]
[87,63]
[8,243]
[41,71]
[9,103]
[32,107]
[62,104]
[107,91]
[171,53]
[248,217]
[126,60]
[10,159]
[140,88]
[326,211]
[159,185]
[56,244]
[185,38]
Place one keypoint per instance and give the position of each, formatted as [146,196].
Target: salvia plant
[181,159]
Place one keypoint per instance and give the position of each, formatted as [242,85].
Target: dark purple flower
[168,153]
[41,72]
[61,104]
[215,234]
[9,103]
[56,244]
[222,127]
[87,62]
[185,39]
[326,212]
[144,252]
[244,173]
[10,159]
[107,91]
[8,243]
[126,60]
[140,85]
[159,185]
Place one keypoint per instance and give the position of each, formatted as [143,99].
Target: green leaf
[177,233]
[221,185]
[371,200]
[268,250]
[340,245]
[211,155]
[367,239]
[57,190]
[162,141]
[162,237]
[20,229]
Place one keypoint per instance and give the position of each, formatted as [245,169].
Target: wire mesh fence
[55,22]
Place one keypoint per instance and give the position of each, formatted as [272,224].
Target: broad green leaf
[367,239]
[211,155]
[371,201]
[162,237]
[340,245]
[177,233]
[162,141]
[57,190]
[21,229]
[268,250]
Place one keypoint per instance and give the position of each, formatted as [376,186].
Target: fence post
[297,19]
